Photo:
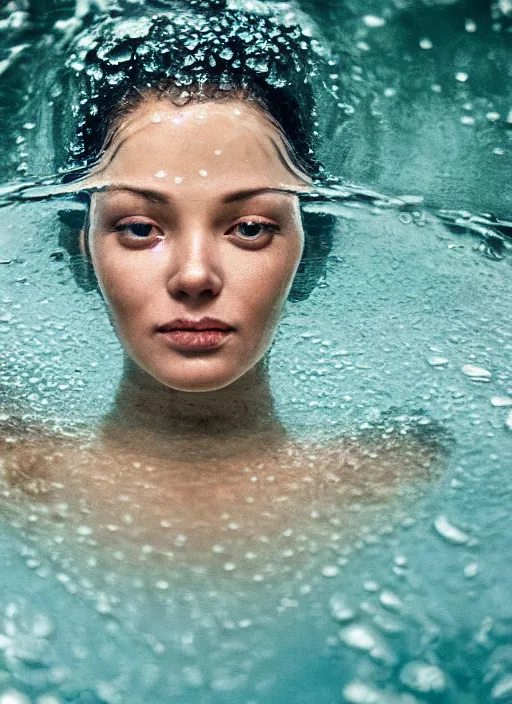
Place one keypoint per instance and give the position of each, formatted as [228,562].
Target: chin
[198,384]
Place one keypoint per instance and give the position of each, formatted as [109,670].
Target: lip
[197,325]
[196,335]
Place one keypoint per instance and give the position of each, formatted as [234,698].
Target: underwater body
[389,594]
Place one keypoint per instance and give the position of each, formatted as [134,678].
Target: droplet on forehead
[178,179]
[161,174]
[218,152]
[237,111]
[156,118]
[177,119]
[203,173]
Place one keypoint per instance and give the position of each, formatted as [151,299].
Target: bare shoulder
[380,458]
[29,451]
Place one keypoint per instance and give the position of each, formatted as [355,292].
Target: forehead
[203,144]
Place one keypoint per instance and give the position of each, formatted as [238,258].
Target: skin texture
[192,446]
[207,164]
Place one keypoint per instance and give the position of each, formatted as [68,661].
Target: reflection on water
[360,555]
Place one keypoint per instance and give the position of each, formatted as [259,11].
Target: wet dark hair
[194,52]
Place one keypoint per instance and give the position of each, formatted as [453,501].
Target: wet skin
[193,215]
[193,222]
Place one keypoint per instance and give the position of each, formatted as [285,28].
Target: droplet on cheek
[203,173]
[161,174]
[178,179]
[218,152]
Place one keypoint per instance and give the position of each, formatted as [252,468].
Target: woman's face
[194,245]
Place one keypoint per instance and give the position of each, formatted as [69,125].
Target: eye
[137,232]
[257,231]
[139,229]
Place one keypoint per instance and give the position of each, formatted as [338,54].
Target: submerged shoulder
[395,451]
[29,451]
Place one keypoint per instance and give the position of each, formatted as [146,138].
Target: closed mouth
[205,324]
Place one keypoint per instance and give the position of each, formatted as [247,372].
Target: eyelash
[268,228]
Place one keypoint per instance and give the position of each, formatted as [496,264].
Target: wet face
[195,239]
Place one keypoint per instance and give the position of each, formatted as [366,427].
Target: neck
[146,408]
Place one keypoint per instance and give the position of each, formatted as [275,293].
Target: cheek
[264,286]
[123,281]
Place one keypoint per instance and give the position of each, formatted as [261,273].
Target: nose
[194,271]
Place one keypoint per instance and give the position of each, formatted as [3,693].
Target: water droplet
[508,422]
[330,571]
[374,21]
[361,693]
[502,688]
[471,570]
[426,43]
[162,584]
[218,152]
[203,173]
[84,530]
[161,174]
[501,401]
[226,54]
[362,637]
[437,361]
[178,179]
[470,25]
[476,373]
[229,566]
[13,696]
[461,77]
[422,677]
[134,28]
[340,610]
[48,699]
[390,600]
[450,532]
[156,118]
[493,116]
[371,586]
[467,120]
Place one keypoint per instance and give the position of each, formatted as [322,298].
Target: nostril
[206,293]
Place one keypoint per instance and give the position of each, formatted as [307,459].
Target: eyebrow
[160,197]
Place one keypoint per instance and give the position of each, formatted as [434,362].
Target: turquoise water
[399,595]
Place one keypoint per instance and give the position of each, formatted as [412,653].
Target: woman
[194,146]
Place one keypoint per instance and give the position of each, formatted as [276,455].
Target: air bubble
[339,608]
[450,532]
[437,361]
[374,21]
[476,373]
[423,678]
